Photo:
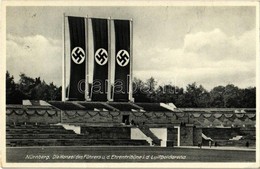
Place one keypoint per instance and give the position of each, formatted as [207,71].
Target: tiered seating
[223,136]
[38,131]
[106,132]
[22,129]
[221,133]
[123,106]
[93,106]
[249,134]
[66,105]
[74,142]
[152,107]
[52,135]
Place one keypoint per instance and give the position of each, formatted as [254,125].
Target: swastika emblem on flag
[101,56]
[78,55]
[122,58]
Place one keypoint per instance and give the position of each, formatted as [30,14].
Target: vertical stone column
[186,135]
[197,136]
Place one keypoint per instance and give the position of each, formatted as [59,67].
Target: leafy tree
[195,96]
[138,93]
[217,96]
[10,84]
[148,91]
[13,94]
[26,84]
[29,88]
[151,86]
[168,94]
[231,96]
[248,97]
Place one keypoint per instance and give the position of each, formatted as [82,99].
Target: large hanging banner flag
[100,75]
[77,58]
[122,60]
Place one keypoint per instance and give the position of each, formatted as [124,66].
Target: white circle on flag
[78,55]
[101,56]
[122,58]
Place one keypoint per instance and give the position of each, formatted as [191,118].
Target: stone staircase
[155,140]
[236,137]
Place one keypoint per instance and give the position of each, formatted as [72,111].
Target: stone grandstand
[56,123]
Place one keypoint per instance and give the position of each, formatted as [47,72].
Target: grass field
[125,154]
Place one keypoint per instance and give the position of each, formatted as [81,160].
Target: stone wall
[186,135]
[149,118]
[89,117]
[220,119]
[197,136]
[84,117]
[117,117]
[33,116]
[172,137]
[107,132]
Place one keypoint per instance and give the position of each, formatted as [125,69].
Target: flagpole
[63,60]
[109,98]
[114,56]
[131,63]
[87,60]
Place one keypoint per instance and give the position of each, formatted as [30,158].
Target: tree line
[193,96]
[30,88]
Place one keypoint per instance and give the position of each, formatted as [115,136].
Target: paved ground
[223,148]
[128,154]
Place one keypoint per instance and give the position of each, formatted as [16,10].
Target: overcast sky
[179,45]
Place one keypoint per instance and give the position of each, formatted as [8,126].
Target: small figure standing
[247,144]
[132,122]
[209,143]
[200,145]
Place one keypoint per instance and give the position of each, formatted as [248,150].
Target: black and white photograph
[130,84]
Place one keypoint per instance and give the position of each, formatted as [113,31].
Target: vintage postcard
[130,84]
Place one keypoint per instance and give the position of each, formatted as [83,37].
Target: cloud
[35,56]
[216,45]
[209,58]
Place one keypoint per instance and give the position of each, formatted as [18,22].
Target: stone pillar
[186,135]
[197,136]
